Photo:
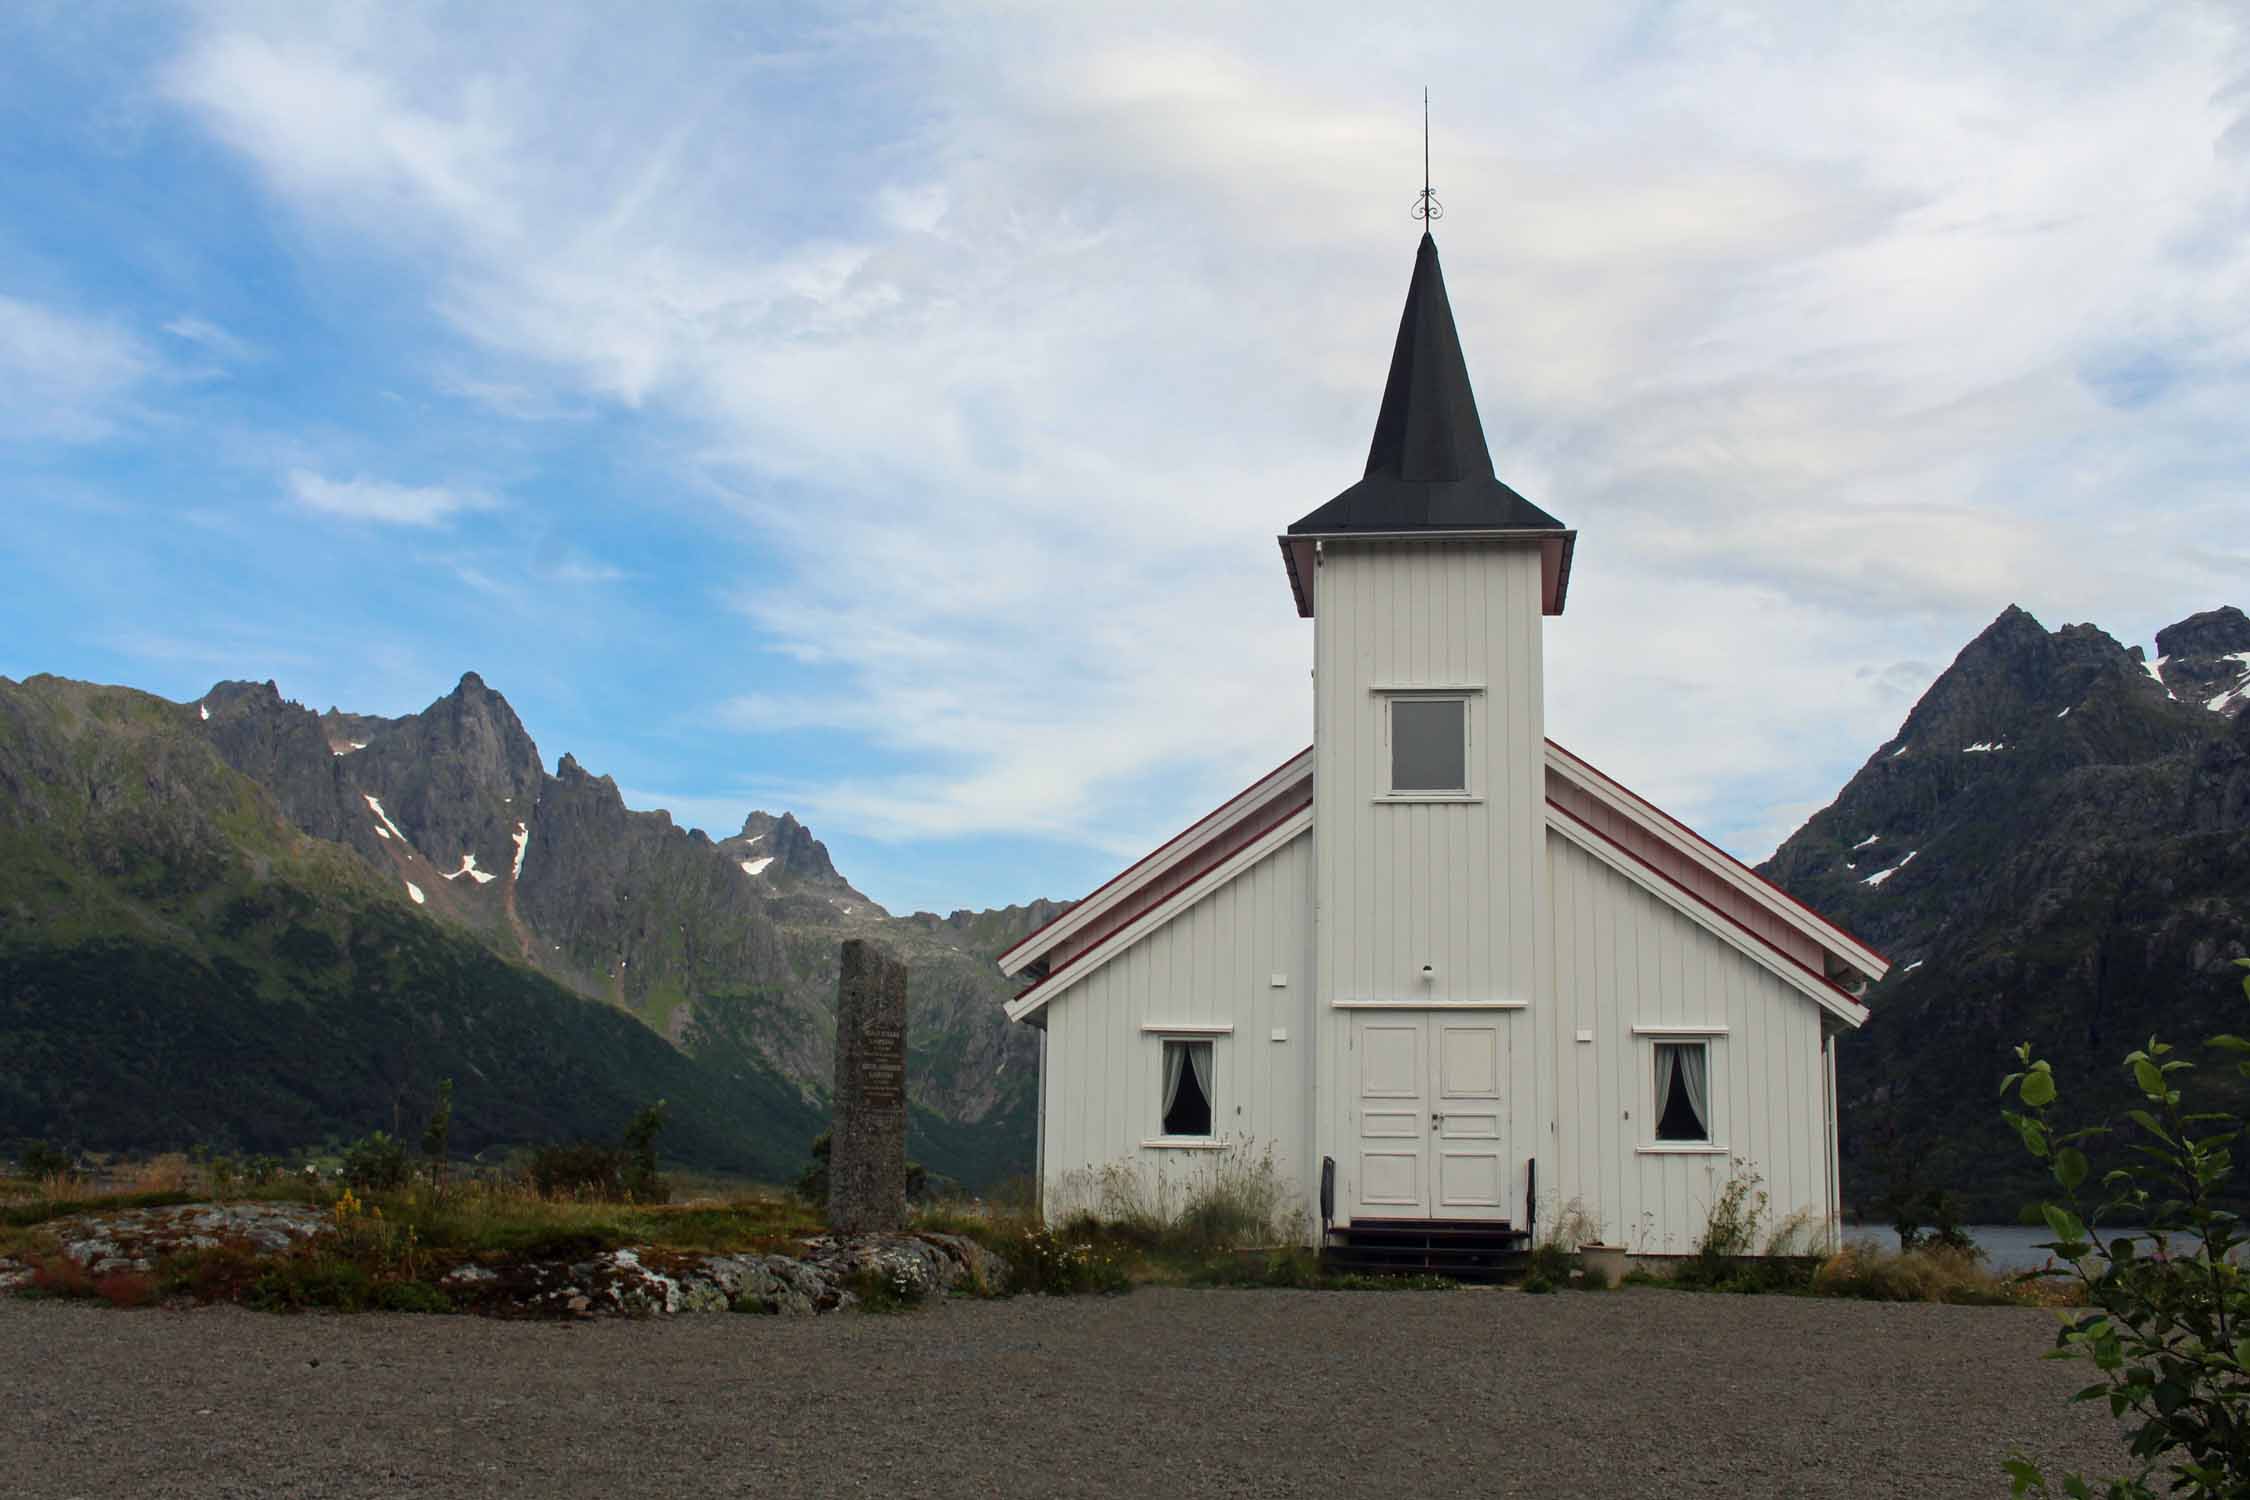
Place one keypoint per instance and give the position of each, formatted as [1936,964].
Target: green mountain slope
[179,963]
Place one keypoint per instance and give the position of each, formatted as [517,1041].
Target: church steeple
[1428,469]
[1428,430]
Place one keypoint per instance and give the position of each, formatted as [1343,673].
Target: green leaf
[2070,1168]
[2064,1223]
[2039,1088]
[2145,1073]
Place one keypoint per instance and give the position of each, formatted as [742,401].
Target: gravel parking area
[1161,1392]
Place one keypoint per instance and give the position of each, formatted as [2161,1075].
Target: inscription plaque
[867,1139]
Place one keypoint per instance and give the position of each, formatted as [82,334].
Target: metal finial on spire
[1427,208]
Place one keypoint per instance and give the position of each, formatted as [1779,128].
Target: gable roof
[1689,859]
[1174,863]
[1632,835]
[1429,472]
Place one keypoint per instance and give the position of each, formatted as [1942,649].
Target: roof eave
[1557,546]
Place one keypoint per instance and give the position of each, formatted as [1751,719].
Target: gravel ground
[1160,1392]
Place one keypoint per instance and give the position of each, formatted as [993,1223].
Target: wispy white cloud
[210,336]
[66,377]
[1833,336]
[361,499]
[523,403]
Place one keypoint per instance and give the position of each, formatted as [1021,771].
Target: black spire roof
[1428,468]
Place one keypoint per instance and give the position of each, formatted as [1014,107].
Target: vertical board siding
[1625,959]
[1210,965]
[1455,884]
[1692,874]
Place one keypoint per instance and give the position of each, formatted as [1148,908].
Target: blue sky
[885,412]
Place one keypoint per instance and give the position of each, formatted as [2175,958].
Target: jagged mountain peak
[2211,632]
[2205,659]
[2013,676]
[2055,846]
[779,843]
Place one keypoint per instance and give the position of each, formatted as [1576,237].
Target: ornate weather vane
[1427,208]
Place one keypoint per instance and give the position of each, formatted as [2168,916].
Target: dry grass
[159,1174]
[1232,1198]
[1866,1269]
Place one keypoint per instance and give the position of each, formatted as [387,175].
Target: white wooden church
[1452,975]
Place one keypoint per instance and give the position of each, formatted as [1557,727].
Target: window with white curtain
[1683,1091]
[1187,1088]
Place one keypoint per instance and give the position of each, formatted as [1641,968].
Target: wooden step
[1480,1250]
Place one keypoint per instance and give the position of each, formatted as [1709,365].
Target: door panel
[1393,1110]
[1470,1170]
[1390,1060]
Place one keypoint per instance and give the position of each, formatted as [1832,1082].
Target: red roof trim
[1134,914]
[1702,900]
[1581,761]
[1094,894]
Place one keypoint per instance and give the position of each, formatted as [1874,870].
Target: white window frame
[1469,696]
[1711,1040]
[1187,1035]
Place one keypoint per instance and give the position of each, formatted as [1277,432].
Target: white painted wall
[1401,883]
[1622,959]
[1212,964]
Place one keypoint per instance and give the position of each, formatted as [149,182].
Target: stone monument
[867,1137]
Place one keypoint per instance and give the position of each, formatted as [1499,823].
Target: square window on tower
[1429,745]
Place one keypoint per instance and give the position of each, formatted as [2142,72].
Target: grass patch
[1870,1272]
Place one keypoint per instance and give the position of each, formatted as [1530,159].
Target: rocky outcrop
[2205,658]
[136,1240]
[782,847]
[825,1277]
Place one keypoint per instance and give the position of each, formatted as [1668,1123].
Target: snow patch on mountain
[204,709]
[469,868]
[377,808]
[416,892]
[756,866]
[1882,875]
[522,840]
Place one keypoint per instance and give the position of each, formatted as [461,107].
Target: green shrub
[2168,1326]
[302,1282]
[412,1297]
[437,1136]
[641,1181]
[375,1164]
[581,1169]
[42,1160]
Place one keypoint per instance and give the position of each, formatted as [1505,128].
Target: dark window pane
[1190,1111]
[1429,746]
[1677,1119]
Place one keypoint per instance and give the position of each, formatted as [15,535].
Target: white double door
[1431,1094]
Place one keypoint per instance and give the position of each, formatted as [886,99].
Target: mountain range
[241,921]
[2055,848]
